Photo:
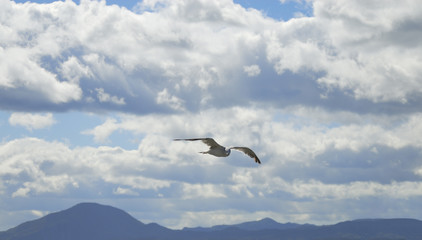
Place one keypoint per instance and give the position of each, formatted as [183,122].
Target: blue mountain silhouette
[84,221]
[92,221]
[263,224]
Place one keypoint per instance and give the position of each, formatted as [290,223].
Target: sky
[328,93]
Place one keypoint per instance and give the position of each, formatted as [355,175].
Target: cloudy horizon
[327,92]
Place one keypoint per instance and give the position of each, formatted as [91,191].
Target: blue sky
[327,93]
[271,8]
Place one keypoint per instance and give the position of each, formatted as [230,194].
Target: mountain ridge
[92,221]
[78,222]
[262,224]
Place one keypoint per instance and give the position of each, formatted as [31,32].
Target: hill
[84,221]
[91,221]
[263,224]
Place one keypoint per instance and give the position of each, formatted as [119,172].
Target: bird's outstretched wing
[248,152]
[209,141]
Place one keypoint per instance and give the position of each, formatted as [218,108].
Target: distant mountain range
[264,224]
[91,221]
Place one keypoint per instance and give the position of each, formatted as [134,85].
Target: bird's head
[227,150]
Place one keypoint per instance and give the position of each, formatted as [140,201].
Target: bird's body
[220,151]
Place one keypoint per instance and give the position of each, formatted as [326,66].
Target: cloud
[122,59]
[206,191]
[53,167]
[355,32]
[173,102]
[42,183]
[354,190]
[315,144]
[32,121]
[39,213]
[252,70]
[105,97]
[125,191]
[24,77]
[73,70]
[311,157]
[21,192]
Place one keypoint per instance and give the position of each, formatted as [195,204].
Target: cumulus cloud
[363,63]
[315,165]
[102,132]
[121,52]
[32,121]
[73,70]
[311,151]
[105,97]
[252,70]
[21,192]
[305,165]
[125,191]
[24,77]
[206,191]
[173,102]
[53,167]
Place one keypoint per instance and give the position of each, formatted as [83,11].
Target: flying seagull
[220,151]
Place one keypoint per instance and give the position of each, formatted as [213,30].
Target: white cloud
[105,97]
[354,190]
[319,149]
[347,47]
[32,121]
[125,191]
[206,191]
[102,132]
[320,130]
[53,167]
[43,183]
[23,76]
[73,70]
[349,42]
[299,163]
[39,213]
[252,70]
[164,97]
[21,192]
[371,59]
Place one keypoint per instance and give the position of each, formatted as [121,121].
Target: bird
[220,151]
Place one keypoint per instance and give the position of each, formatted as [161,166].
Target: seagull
[220,151]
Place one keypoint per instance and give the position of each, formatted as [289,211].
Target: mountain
[263,224]
[99,222]
[399,228]
[84,221]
